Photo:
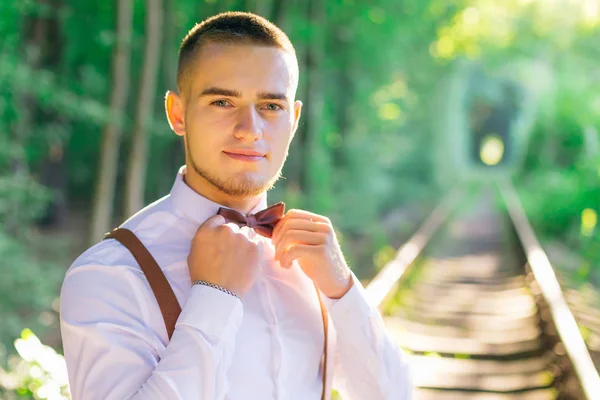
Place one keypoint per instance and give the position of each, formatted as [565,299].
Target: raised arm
[368,364]
[113,349]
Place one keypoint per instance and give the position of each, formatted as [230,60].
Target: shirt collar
[197,207]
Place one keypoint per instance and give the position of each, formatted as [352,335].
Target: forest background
[84,142]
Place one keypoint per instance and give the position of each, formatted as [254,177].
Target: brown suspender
[167,302]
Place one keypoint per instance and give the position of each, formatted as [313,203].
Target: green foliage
[365,156]
[29,284]
[560,179]
[28,288]
[369,152]
[38,372]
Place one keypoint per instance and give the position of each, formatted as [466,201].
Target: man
[251,326]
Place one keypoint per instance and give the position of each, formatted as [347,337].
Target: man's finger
[294,252]
[293,237]
[298,224]
[303,214]
[213,222]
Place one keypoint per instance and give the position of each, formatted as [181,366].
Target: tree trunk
[264,8]
[295,168]
[228,5]
[136,171]
[344,94]
[280,13]
[171,154]
[34,32]
[315,154]
[108,168]
[53,171]
[170,41]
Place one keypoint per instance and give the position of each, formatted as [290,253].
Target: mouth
[245,155]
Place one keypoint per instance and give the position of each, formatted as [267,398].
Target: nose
[249,124]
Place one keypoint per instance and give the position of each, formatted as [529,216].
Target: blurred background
[404,99]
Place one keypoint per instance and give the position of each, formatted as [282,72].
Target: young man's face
[238,116]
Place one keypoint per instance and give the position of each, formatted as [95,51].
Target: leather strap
[167,302]
[325,316]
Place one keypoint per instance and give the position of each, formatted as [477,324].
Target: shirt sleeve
[113,354]
[368,364]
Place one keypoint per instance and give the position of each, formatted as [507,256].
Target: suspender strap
[167,302]
[325,317]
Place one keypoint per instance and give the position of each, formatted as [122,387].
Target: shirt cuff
[351,308]
[211,311]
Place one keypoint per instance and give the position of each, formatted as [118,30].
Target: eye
[221,103]
[273,107]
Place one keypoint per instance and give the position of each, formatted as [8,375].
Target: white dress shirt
[268,345]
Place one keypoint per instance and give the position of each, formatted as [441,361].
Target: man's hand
[224,255]
[310,239]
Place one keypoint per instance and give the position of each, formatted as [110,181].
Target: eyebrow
[215,91]
[272,96]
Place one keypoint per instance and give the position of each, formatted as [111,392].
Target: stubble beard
[237,187]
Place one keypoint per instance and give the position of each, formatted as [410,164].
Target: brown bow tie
[262,222]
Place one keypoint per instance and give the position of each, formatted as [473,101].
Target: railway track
[475,302]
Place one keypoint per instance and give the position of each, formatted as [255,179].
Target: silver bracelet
[212,285]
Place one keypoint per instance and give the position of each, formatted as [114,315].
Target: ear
[297,113]
[175,112]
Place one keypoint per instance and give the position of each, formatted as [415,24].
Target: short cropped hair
[228,28]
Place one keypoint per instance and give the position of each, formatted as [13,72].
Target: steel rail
[386,281]
[543,273]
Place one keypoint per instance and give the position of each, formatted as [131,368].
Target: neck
[209,191]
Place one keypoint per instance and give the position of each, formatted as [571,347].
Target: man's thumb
[214,221]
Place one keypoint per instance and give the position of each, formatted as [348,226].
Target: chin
[246,185]
[240,184]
